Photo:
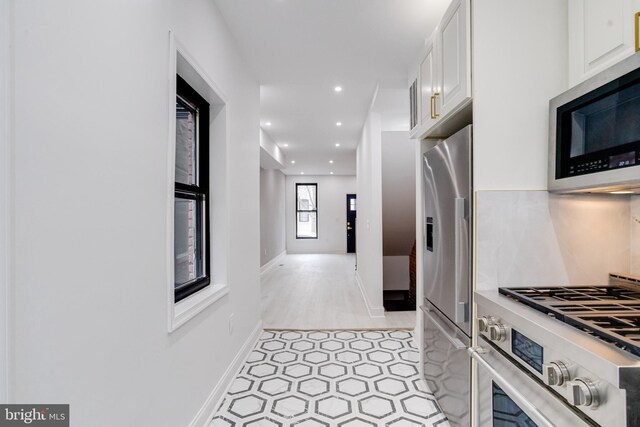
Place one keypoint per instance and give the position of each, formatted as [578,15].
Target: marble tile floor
[330,378]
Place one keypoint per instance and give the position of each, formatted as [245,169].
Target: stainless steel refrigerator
[447,303]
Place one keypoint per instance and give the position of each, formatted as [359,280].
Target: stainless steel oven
[507,396]
[594,136]
[540,364]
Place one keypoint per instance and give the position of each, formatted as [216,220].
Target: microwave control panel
[604,163]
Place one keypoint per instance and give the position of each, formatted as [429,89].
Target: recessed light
[285,145]
[621,192]
[338,123]
[338,88]
[337,144]
[292,162]
[301,173]
[330,161]
[268,124]
[330,173]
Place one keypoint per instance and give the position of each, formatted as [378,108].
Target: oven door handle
[533,412]
[459,345]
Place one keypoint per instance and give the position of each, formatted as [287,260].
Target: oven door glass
[506,412]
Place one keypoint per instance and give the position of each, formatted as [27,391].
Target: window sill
[189,307]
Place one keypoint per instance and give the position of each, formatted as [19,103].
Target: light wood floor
[320,292]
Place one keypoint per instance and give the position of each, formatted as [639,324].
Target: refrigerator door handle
[460,315]
[459,345]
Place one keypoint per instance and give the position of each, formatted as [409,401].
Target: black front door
[351,223]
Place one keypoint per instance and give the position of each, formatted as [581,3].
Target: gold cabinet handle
[433,98]
[637,21]
[434,115]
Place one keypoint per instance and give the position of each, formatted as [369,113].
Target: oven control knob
[497,332]
[583,392]
[555,373]
[484,322]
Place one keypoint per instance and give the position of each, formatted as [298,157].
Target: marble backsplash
[534,238]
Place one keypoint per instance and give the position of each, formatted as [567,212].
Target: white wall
[332,214]
[398,207]
[534,238]
[398,193]
[272,214]
[90,176]
[396,273]
[5,138]
[519,63]
[271,156]
[369,224]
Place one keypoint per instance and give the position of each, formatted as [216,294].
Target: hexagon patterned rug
[331,378]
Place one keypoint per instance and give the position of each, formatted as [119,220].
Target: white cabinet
[601,33]
[413,98]
[428,86]
[453,34]
[444,75]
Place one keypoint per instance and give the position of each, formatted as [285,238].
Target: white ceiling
[299,50]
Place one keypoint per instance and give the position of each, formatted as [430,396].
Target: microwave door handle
[459,345]
[460,214]
[533,412]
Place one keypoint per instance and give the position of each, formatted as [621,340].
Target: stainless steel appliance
[446,270]
[594,133]
[559,356]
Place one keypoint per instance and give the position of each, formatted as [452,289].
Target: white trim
[274,261]
[208,409]
[180,60]
[173,59]
[189,307]
[374,312]
[6,206]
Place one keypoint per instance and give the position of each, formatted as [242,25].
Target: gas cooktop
[610,313]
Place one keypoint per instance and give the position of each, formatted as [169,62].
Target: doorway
[351,223]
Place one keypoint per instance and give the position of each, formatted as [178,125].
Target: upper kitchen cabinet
[428,86]
[601,33]
[454,49]
[444,76]
[413,98]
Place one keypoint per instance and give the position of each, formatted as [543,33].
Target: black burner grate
[611,313]
[583,293]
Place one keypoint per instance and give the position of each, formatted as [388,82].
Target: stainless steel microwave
[594,133]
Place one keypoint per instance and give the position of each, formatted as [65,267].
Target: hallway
[319,291]
[185,163]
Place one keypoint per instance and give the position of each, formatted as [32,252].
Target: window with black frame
[191,209]
[306,211]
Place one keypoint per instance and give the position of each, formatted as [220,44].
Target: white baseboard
[268,266]
[208,410]
[374,312]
